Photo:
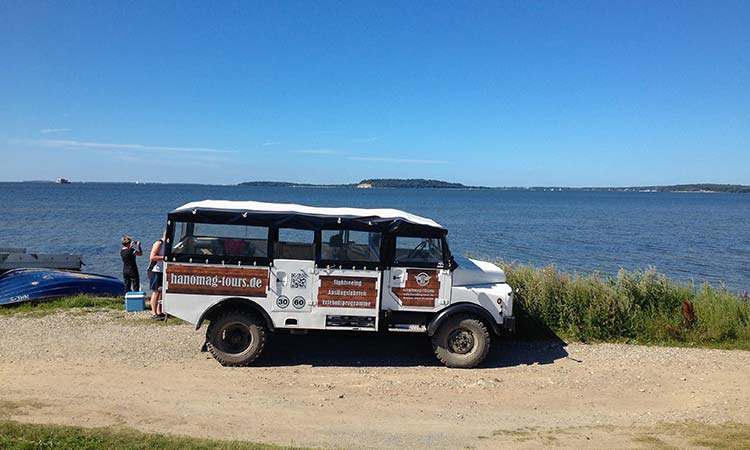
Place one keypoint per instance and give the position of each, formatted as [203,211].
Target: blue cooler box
[135,301]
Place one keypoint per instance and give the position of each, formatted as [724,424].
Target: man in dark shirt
[130,249]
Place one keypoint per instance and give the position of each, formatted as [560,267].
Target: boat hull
[39,285]
[17,258]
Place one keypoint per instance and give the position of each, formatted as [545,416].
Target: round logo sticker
[298,302]
[422,279]
[282,302]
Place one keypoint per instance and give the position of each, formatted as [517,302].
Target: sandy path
[360,392]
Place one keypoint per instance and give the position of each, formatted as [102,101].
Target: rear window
[208,239]
[350,245]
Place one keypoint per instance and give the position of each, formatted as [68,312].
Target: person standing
[156,277]
[130,249]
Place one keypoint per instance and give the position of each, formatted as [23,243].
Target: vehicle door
[292,283]
[349,279]
[418,278]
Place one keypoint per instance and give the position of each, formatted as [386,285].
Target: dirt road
[362,392]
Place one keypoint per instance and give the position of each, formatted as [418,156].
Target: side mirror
[452,264]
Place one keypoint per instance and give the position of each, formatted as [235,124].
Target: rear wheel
[462,341]
[236,338]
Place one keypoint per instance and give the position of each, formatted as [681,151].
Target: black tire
[462,341]
[236,338]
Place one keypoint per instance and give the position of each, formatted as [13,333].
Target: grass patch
[642,307]
[727,436]
[664,436]
[650,442]
[731,436]
[81,305]
[9,408]
[19,436]
[79,301]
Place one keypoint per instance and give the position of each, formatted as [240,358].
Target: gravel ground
[361,391]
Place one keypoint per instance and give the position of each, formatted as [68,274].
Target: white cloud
[396,160]
[325,151]
[70,144]
[54,130]
[318,151]
[131,158]
[267,144]
[167,160]
[365,140]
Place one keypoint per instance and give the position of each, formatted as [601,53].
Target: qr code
[299,280]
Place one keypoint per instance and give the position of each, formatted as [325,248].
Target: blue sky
[492,93]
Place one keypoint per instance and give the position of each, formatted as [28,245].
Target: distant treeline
[704,187]
[371,182]
[287,184]
[412,183]
[738,188]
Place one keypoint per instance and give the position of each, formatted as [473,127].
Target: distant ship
[62,181]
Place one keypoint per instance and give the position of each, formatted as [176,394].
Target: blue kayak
[40,285]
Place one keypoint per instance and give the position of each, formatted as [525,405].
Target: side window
[295,244]
[208,239]
[350,245]
[419,251]
[180,238]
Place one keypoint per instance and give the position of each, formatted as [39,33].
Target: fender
[239,303]
[462,308]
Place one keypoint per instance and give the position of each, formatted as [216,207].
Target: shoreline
[354,187]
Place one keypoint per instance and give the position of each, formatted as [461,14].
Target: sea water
[689,236]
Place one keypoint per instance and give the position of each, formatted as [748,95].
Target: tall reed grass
[639,306]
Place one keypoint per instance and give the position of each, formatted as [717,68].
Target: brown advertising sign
[347,292]
[216,280]
[421,289]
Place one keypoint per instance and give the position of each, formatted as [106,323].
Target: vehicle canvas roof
[293,215]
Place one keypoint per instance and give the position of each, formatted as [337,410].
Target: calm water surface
[700,237]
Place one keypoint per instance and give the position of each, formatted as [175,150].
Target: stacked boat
[15,258]
[41,285]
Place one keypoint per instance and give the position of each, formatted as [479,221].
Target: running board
[407,328]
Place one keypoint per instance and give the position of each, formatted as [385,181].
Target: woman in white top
[156,277]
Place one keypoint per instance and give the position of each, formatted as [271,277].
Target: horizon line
[463,186]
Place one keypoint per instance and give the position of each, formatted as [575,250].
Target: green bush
[640,306]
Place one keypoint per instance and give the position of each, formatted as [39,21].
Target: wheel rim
[461,341]
[235,338]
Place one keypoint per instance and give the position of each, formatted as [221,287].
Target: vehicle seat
[336,247]
[233,247]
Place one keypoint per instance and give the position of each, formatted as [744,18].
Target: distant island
[703,187]
[421,183]
[408,183]
[735,188]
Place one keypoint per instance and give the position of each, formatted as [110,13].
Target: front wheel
[236,338]
[462,341]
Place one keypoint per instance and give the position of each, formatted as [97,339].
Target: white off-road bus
[252,268]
